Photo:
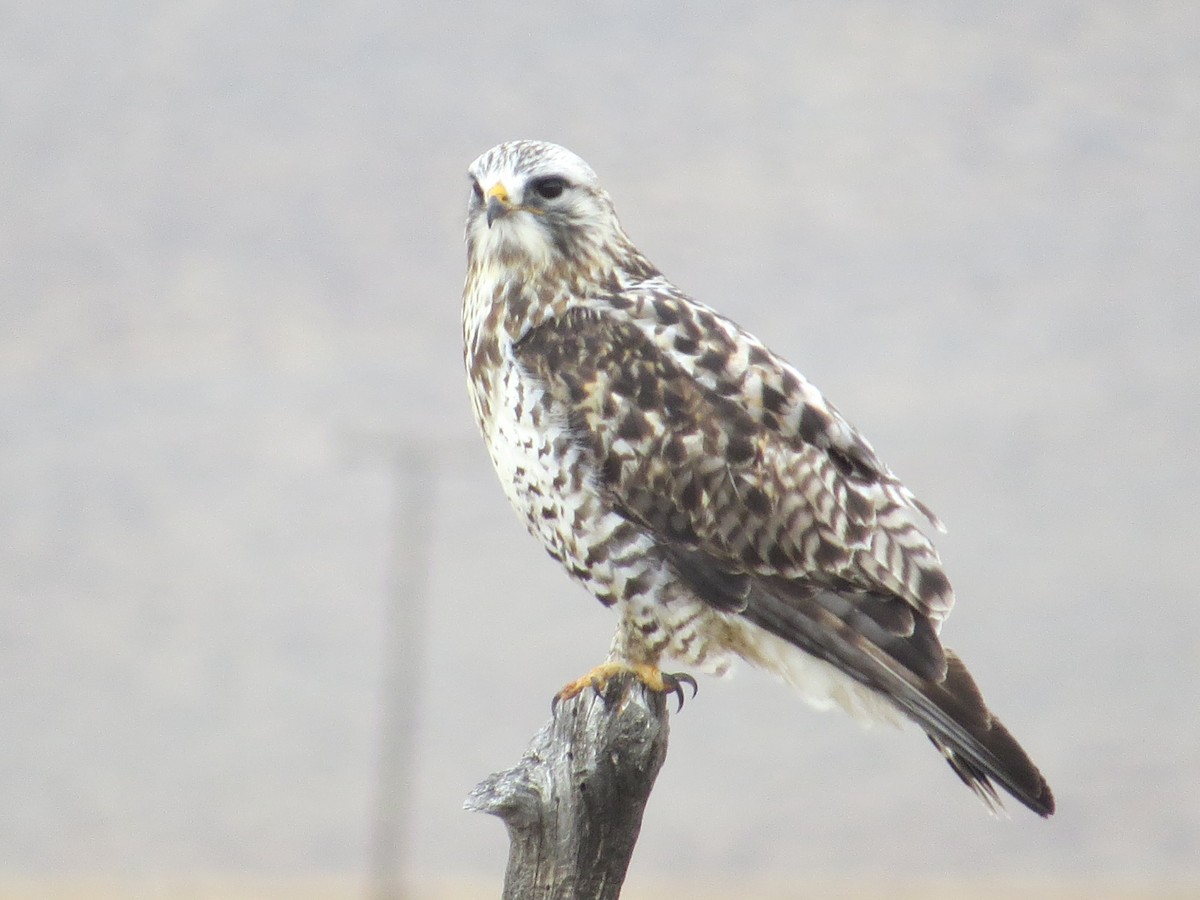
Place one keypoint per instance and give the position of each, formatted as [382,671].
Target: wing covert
[758,474]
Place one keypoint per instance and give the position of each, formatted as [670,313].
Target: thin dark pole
[414,472]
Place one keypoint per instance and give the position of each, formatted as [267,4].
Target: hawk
[695,482]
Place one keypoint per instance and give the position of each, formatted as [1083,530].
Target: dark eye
[549,187]
[476,190]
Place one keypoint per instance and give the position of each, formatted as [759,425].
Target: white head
[538,204]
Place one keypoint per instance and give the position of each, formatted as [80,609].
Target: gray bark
[573,804]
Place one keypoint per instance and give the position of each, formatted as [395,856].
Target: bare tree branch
[574,803]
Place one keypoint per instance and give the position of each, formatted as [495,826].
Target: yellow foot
[651,676]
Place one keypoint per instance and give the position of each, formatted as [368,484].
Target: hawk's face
[537,204]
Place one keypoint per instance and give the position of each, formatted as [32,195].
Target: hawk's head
[540,205]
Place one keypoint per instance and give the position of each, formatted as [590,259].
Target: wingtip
[1021,780]
[1043,804]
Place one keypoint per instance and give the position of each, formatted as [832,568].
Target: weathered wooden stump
[573,804]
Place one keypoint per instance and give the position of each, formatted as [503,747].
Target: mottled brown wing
[702,466]
[775,526]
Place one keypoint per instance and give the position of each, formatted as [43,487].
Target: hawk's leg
[652,676]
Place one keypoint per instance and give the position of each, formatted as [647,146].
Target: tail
[978,747]
[900,657]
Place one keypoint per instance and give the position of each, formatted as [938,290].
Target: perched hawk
[696,482]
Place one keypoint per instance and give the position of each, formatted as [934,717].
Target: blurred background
[265,616]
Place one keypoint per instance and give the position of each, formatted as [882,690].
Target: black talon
[597,685]
[675,683]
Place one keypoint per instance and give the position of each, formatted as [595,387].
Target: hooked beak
[498,205]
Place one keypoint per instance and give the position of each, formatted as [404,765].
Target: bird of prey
[695,482]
